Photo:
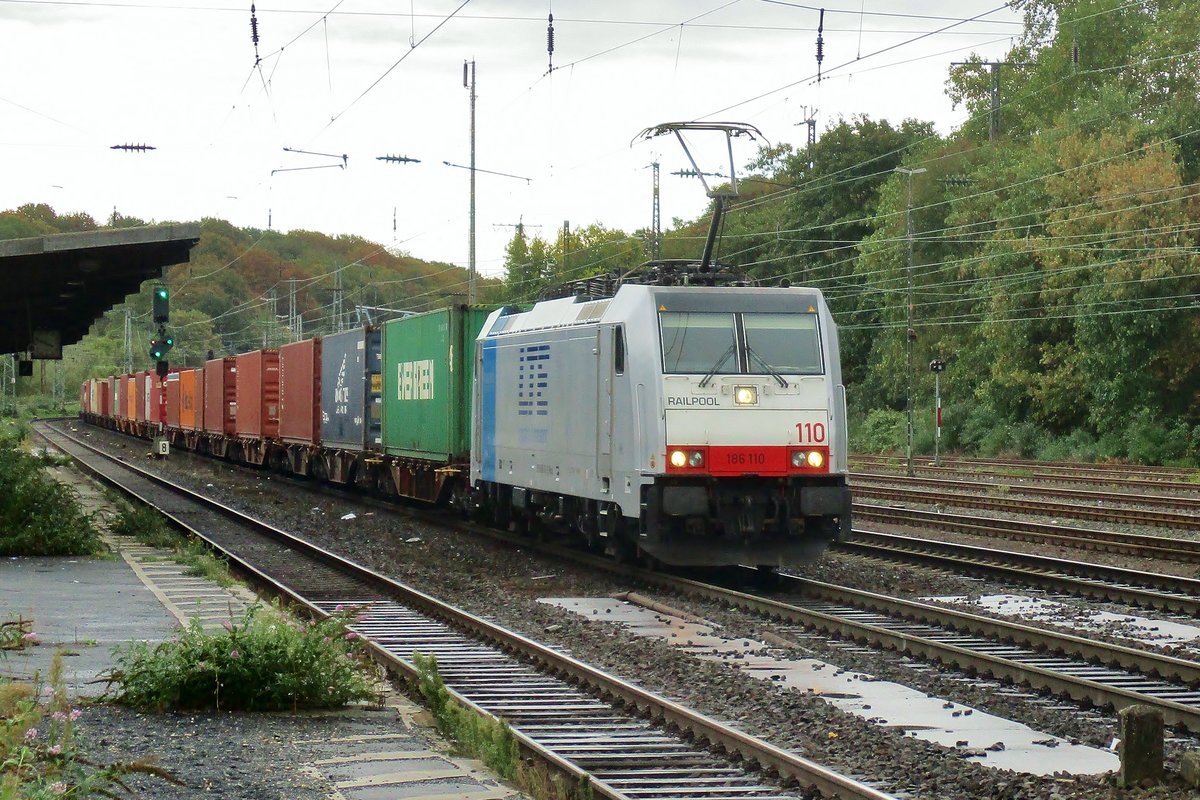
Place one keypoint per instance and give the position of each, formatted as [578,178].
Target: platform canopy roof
[55,286]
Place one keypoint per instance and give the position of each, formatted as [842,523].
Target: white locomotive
[696,425]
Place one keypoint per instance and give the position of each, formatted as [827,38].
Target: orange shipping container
[191,399]
[129,410]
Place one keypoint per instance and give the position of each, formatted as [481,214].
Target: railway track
[1175,502]
[1022,505]
[1114,584]
[1060,472]
[1088,671]
[571,715]
[1131,544]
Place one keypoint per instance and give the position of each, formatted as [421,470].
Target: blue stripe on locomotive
[487,411]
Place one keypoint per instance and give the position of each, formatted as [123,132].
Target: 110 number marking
[811,432]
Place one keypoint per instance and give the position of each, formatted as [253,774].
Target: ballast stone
[1189,768]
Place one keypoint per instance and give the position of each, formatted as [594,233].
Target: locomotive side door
[606,342]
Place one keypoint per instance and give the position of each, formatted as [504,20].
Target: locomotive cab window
[785,343]
[742,343]
[695,342]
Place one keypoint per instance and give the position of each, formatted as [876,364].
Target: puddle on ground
[1036,609]
[982,737]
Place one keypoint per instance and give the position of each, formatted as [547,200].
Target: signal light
[162,304]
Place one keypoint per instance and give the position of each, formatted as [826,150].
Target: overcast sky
[368,78]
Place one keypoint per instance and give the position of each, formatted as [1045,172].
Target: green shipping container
[428,369]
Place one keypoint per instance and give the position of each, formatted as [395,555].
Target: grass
[490,740]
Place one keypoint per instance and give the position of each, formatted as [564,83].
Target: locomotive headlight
[679,459]
[816,459]
[696,459]
[798,458]
[745,395]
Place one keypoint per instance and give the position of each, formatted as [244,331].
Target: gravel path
[503,584]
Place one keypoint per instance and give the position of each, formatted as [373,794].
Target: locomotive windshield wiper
[704,381]
[774,373]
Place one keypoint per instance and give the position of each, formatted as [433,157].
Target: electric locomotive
[696,425]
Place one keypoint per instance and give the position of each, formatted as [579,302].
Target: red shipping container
[173,400]
[300,392]
[191,399]
[258,394]
[220,398]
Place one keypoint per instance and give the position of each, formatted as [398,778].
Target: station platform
[84,607]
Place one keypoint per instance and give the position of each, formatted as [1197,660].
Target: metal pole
[909,333]
[471,235]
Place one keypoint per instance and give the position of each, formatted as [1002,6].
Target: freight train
[687,425]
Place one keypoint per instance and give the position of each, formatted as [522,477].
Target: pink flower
[75,714]
[58,788]
[338,607]
[234,654]
[327,640]
[32,638]
[47,691]
[227,625]
[31,734]
[58,716]
[55,750]
[351,635]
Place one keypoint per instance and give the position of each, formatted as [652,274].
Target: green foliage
[264,662]
[883,431]
[38,515]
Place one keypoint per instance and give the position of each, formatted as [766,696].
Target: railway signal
[936,367]
[162,304]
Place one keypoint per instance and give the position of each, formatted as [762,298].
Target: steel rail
[1133,544]
[770,758]
[1008,487]
[1164,519]
[1130,586]
[1054,470]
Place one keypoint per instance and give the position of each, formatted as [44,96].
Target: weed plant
[490,740]
[201,563]
[16,634]
[264,662]
[38,515]
[482,737]
[40,755]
